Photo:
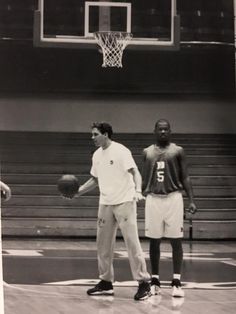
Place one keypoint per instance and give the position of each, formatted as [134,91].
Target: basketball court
[66,63]
[52,277]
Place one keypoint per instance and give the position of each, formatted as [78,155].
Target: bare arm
[89,185]
[144,172]
[138,183]
[187,183]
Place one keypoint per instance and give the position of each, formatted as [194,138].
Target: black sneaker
[155,286]
[144,291]
[102,288]
[177,291]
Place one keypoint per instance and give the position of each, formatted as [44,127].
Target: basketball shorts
[164,215]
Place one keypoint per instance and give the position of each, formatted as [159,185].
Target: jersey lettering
[160,171]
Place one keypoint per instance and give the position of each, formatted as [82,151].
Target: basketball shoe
[144,291]
[177,290]
[102,288]
[155,286]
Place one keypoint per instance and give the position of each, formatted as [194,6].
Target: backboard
[154,24]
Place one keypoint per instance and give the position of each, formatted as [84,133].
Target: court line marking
[165,284]
[119,255]
[187,256]
[22,253]
[69,295]
[231,263]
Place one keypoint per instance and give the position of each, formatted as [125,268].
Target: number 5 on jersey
[160,171]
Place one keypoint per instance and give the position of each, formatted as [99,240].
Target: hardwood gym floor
[53,276]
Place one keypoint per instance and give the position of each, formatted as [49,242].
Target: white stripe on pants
[109,218]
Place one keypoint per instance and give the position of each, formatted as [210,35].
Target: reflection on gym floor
[52,277]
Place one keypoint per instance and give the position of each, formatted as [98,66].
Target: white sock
[155,276]
[177,276]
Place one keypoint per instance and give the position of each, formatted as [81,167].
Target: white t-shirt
[110,166]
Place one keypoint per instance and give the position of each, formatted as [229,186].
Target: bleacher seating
[32,162]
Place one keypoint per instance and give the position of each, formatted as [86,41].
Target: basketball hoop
[113,45]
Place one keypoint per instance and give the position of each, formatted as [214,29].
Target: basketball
[68,185]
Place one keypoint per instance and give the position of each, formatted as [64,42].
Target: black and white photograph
[118,156]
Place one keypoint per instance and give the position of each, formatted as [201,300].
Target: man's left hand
[139,197]
[192,208]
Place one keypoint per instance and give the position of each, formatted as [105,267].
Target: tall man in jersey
[165,176]
[115,173]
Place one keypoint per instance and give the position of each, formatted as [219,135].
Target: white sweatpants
[110,217]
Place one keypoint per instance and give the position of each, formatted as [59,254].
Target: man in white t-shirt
[115,173]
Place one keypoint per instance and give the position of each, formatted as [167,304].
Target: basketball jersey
[162,169]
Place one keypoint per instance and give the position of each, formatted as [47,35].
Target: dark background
[204,63]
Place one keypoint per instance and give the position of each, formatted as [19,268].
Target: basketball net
[113,45]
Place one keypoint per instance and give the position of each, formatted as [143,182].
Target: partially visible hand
[192,208]
[68,196]
[5,192]
[139,197]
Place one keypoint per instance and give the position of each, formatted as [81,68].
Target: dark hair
[160,121]
[103,127]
